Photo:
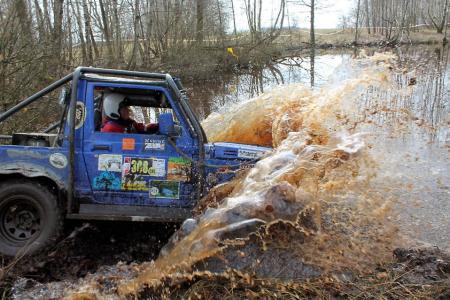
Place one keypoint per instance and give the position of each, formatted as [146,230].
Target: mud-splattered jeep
[75,170]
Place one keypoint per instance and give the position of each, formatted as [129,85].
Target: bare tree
[234,17]
[444,40]
[357,22]
[199,29]
[106,31]
[253,12]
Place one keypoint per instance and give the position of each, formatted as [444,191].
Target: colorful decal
[106,181]
[58,160]
[128,144]
[136,172]
[80,114]
[133,182]
[148,166]
[151,144]
[110,162]
[178,168]
[164,189]
[249,154]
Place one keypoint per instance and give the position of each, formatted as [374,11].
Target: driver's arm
[152,128]
[146,128]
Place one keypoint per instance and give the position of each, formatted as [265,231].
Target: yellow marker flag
[230,50]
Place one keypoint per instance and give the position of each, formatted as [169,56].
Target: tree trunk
[69,34]
[106,31]
[200,10]
[312,39]
[57,31]
[444,40]
[48,25]
[366,4]
[40,21]
[234,18]
[118,33]
[80,32]
[357,22]
[312,36]
[132,61]
[87,34]
[221,29]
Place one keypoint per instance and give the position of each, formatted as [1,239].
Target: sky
[326,17]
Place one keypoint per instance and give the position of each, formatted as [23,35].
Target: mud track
[83,249]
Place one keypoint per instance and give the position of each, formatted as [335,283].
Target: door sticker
[130,181]
[106,181]
[128,144]
[136,172]
[178,168]
[58,160]
[110,162]
[148,166]
[249,154]
[164,189]
[154,144]
[80,114]
[133,182]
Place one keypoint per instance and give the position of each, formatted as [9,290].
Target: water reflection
[425,70]
[222,90]
[425,103]
[312,57]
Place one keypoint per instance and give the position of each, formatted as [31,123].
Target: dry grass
[236,285]
[344,38]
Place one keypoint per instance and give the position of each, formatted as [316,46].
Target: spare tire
[30,218]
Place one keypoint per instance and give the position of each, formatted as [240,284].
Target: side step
[131,213]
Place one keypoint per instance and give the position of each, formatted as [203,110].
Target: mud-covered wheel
[29,217]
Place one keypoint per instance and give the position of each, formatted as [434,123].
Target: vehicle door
[133,168]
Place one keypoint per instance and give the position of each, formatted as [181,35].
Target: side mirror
[167,126]
[62,98]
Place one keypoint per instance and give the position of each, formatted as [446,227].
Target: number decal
[148,166]
[145,167]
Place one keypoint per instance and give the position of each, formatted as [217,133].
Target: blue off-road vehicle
[76,170]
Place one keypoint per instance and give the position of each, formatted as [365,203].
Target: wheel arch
[38,175]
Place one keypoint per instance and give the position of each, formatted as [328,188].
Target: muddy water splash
[323,202]
[321,179]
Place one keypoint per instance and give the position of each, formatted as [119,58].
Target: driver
[118,117]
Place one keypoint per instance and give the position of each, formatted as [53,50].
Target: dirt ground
[83,249]
[106,249]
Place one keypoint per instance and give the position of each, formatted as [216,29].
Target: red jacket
[131,126]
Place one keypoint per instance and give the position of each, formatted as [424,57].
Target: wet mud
[84,249]
[262,265]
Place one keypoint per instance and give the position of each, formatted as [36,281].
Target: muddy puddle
[359,175]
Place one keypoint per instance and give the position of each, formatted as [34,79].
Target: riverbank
[238,53]
[335,38]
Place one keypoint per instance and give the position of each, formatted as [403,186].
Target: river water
[409,117]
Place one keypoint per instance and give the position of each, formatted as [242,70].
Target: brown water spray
[319,177]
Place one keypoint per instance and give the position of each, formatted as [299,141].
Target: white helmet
[111,105]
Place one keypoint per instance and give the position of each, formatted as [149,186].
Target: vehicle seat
[98,113]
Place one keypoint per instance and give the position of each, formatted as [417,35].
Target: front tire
[30,218]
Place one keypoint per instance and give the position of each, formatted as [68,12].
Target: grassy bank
[214,56]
